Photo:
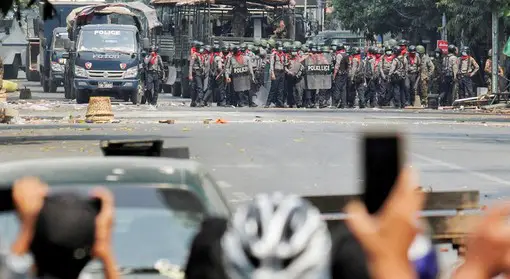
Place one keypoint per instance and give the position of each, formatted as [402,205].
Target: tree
[383,16]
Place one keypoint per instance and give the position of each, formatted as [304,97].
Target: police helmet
[200,44]
[388,50]
[194,43]
[420,49]
[465,50]
[278,44]
[304,48]
[371,50]
[402,42]
[341,46]
[380,50]
[396,50]
[294,50]
[224,49]
[230,47]
[256,42]
[356,50]
[235,48]
[208,48]
[438,50]
[452,49]
[263,43]
[216,48]
[325,49]
[412,49]
[297,44]
[271,43]
[243,47]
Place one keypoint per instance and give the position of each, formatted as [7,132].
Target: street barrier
[446,212]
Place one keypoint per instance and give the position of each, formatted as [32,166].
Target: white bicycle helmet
[277,237]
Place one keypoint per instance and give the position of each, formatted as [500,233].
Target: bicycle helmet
[277,237]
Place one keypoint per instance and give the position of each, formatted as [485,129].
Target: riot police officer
[467,69]
[197,76]
[398,75]
[277,74]
[153,75]
[450,68]
[240,75]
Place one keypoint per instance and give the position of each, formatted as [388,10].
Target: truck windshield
[58,41]
[107,40]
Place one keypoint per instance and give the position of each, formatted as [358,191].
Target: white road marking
[484,176]
[452,166]
[240,197]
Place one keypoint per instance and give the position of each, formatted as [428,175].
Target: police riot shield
[241,78]
[297,69]
[318,72]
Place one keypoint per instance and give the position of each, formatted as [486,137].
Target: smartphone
[382,163]
[6,202]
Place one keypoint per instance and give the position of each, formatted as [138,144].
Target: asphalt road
[261,150]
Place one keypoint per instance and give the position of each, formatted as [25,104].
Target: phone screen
[382,164]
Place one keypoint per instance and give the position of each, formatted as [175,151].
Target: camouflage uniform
[426,71]
[356,76]
[1,73]
[436,78]
[413,74]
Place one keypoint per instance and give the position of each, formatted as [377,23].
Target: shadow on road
[20,140]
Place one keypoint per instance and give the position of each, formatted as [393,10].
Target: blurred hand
[104,223]
[386,238]
[28,195]
[488,247]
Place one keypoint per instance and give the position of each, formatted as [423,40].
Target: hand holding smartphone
[383,159]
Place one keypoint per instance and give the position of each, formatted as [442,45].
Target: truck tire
[11,71]
[176,89]
[82,96]
[136,95]
[186,88]
[46,84]
[53,86]
[33,76]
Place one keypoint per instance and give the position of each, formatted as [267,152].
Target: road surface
[289,150]
[306,152]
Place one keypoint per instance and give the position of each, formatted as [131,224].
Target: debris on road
[8,115]
[221,121]
[9,86]
[25,93]
[169,121]
[99,110]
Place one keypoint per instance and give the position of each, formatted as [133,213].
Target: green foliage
[472,17]
[382,16]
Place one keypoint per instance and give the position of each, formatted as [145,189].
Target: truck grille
[106,74]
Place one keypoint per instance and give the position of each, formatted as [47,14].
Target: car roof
[98,170]
[109,27]
[118,171]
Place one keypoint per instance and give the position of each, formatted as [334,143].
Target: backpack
[447,68]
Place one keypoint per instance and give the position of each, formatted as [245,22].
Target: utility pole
[444,32]
[495,52]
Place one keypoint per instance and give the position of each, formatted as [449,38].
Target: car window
[213,192]
[150,224]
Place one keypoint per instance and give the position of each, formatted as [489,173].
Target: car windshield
[151,224]
[107,40]
[58,42]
